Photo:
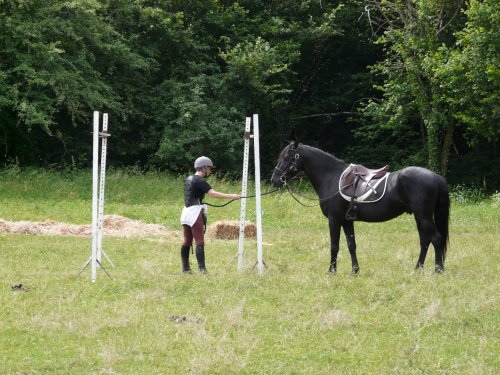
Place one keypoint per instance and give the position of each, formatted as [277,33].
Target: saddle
[357,183]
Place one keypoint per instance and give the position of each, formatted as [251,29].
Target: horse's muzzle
[277,180]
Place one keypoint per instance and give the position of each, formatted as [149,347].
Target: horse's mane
[321,152]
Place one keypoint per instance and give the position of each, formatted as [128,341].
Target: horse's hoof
[332,271]
[419,266]
[439,269]
[355,270]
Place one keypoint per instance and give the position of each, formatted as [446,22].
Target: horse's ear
[294,141]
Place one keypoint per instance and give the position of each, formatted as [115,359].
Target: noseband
[292,166]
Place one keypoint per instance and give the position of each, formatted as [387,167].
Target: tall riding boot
[185,259]
[200,256]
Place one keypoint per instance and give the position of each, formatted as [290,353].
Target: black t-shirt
[195,188]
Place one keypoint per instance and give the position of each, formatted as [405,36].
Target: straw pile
[229,230]
[114,225]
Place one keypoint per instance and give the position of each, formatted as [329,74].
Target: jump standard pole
[256,148]
[244,185]
[102,178]
[98,184]
[241,240]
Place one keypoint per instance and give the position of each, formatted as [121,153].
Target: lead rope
[232,200]
[289,191]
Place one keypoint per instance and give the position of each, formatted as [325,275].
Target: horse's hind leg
[351,244]
[334,243]
[429,233]
[424,244]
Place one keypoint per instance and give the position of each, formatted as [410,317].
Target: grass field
[295,319]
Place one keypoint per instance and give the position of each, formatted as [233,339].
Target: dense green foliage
[295,319]
[441,75]
[400,82]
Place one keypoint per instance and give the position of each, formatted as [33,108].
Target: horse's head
[289,164]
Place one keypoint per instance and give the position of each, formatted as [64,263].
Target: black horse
[412,190]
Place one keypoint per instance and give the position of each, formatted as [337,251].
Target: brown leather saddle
[357,181]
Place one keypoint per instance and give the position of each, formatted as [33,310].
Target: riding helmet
[203,161]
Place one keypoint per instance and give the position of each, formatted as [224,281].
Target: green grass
[295,319]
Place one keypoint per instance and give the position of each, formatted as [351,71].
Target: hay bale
[230,230]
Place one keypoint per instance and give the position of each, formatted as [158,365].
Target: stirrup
[351,216]
[352,212]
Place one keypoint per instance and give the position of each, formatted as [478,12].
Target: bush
[495,199]
[467,194]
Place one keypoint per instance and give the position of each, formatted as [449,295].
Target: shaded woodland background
[403,82]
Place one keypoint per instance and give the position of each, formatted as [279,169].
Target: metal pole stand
[98,179]
[241,241]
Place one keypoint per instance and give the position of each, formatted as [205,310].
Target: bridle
[292,166]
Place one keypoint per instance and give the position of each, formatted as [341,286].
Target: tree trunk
[445,150]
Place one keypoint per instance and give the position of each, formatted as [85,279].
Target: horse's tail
[442,213]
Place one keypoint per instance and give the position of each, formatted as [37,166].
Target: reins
[297,200]
[293,166]
[312,199]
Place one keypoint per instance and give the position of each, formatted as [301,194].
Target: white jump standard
[98,184]
[248,136]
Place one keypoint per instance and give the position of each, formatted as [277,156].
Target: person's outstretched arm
[216,194]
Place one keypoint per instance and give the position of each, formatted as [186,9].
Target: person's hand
[234,196]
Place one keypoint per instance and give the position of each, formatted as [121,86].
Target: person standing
[194,212]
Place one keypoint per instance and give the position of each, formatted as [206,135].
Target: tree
[58,61]
[470,73]
[414,34]
[243,58]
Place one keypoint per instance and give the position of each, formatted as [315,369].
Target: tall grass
[296,319]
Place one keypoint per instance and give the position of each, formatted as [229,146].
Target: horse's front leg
[334,243]
[348,227]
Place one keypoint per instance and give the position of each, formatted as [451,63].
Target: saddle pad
[370,196]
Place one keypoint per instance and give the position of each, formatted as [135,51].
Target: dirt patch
[21,287]
[114,225]
[184,319]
